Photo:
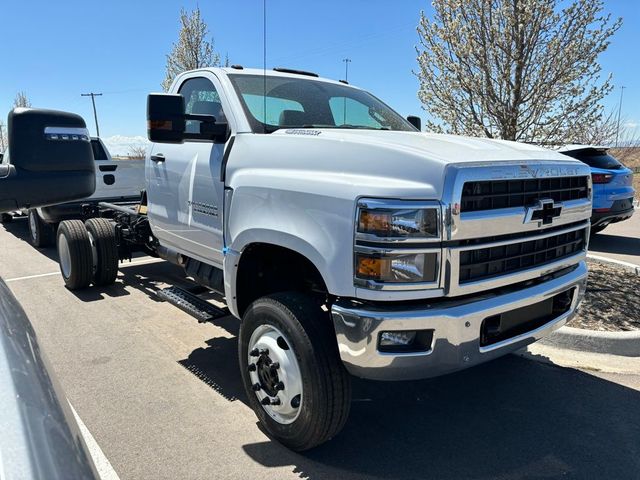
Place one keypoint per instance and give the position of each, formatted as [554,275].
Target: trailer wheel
[6,218]
[41,233]
[291,370]
[74,251]
[104,248]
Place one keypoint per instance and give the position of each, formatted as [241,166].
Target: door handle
[159,158]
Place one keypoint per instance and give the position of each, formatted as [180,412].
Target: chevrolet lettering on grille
[544,211]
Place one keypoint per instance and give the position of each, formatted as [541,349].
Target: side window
[201,98]
[347,111]
[98,151]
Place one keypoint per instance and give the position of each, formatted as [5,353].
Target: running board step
[186,301]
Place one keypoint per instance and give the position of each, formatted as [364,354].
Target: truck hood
[353,163]
[435,147]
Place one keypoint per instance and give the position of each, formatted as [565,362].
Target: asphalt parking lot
[619,240]
[162,397]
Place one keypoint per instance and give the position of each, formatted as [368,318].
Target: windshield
[305,103]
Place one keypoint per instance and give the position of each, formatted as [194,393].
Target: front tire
[305,399]
[74,252]
[41,234]
[6,218]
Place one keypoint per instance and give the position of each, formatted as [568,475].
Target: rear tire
[41,233]
[102,236]
[295,332]
[598,229]
[74,251]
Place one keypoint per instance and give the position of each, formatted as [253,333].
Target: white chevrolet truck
[346,241]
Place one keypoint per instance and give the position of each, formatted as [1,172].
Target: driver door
[185,190]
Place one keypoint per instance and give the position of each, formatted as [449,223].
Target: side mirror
[415,121]
[165,118]
[49,160]
[167,121]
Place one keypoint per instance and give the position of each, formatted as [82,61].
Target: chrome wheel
[94,252]
[275,374]
[65,256]
[33,226]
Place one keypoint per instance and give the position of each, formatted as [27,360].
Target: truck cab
[347,241]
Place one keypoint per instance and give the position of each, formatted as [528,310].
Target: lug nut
[252,367]
[275,401]
[274,366]
[279,386]
[254,353]
[270,401]
[256,387]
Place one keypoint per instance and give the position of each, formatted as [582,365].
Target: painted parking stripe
[123,265]
[103,466]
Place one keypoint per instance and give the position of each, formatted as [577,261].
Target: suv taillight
[601,177]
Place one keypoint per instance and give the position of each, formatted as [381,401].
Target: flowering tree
[514,69]
[192,50]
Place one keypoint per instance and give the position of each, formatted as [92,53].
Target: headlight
[389,221]
[397,267]
[397,245]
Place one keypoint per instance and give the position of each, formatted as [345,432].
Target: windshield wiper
[344,125]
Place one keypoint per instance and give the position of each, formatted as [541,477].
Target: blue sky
[54,51]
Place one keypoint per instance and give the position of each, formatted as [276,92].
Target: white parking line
[104,467]
[31,276]
[123,265]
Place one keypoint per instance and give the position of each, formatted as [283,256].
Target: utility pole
[346,61]
[93,101]
[619,110]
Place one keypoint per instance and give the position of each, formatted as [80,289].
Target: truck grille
[493,194]
[488,262]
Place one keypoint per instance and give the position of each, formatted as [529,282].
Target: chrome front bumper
[456,329]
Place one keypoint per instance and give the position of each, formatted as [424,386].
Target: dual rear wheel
[88,252]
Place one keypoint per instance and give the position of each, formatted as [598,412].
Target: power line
[93,102]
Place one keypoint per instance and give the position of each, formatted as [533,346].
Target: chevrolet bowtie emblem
[544,211]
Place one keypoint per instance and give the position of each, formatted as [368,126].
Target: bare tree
[192,50]
[513,69]
[137,152]
[21,100]
[4,140]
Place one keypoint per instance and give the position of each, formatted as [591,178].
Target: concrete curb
[625,344]
[628,266]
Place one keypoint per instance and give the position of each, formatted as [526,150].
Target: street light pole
[619,110]
[346,61]
[93,102]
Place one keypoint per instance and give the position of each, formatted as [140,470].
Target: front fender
[316,226]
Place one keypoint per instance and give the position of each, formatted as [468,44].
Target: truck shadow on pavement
[510,418]
[603,242]
[19,228]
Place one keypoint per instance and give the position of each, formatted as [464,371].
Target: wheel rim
[65,256]
[32,225]
[94,251]
[275,374]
